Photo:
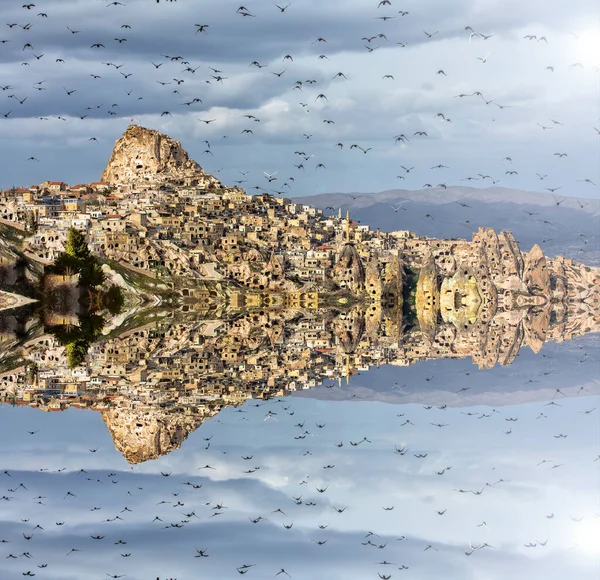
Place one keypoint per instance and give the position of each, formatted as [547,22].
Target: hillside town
[271,296]
[157,213]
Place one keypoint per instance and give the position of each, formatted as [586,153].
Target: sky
[544,111]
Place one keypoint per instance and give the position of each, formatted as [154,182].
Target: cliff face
[141,435]
[536,275]
[145,156]
[8,300]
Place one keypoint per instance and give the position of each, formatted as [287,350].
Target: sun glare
[588,47]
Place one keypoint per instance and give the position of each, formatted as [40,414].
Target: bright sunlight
[588,47]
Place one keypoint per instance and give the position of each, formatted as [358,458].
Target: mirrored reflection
[163,374]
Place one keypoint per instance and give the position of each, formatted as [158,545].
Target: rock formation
[8,300]
[146,157]
[145,434]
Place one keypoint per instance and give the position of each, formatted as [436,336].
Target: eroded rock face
[8,301]
[145,156]
[536,275]
[349,270]
[460,299]
[144,434]
[349,329]
[427,301]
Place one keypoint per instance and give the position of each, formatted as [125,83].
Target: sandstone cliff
[8,300]
[146,157]
[144,434]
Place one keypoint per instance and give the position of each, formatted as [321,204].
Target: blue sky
[546,110]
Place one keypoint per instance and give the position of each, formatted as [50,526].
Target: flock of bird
[192,499]
[311,513]
[188,85]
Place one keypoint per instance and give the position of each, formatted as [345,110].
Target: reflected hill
[156,375]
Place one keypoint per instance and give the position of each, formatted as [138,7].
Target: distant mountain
[560,225]
[439,195]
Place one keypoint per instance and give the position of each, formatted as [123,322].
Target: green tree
[77,339]
[76,245]
[77,258]
[65,263]
[75,352]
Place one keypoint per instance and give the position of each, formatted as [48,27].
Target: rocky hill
[142,435]
[145,156]
[288,296]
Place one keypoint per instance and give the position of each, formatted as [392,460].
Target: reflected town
[159,375]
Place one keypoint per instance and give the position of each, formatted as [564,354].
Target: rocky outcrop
[349,329]
[536,326]
[145,156]
[144,434]
[349,271]
[536,275]
[427,302]
[8,301]
[460,299]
